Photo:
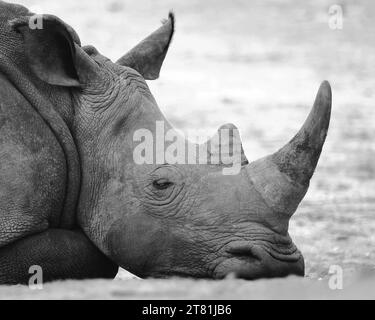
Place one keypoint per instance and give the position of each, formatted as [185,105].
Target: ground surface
[290,288]
[257,64]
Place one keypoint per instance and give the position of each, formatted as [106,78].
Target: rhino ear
[50,49]
[147,57]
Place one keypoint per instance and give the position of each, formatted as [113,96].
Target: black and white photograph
[205,151]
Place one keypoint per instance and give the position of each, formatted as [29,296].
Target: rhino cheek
[137,243]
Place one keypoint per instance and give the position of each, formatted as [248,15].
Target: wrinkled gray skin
[74,201]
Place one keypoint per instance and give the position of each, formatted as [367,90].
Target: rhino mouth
[288,253]
[252,261]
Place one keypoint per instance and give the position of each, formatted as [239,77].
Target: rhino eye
[162,184]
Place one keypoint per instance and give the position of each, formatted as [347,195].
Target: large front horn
[283,178]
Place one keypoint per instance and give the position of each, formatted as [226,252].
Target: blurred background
[258,64]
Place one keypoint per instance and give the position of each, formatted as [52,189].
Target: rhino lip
[252,261]
[244,251]
[256,252]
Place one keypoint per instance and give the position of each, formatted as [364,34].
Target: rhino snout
[248,261]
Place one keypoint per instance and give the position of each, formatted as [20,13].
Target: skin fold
[71,188]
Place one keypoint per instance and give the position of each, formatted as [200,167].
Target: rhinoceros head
[163,218]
